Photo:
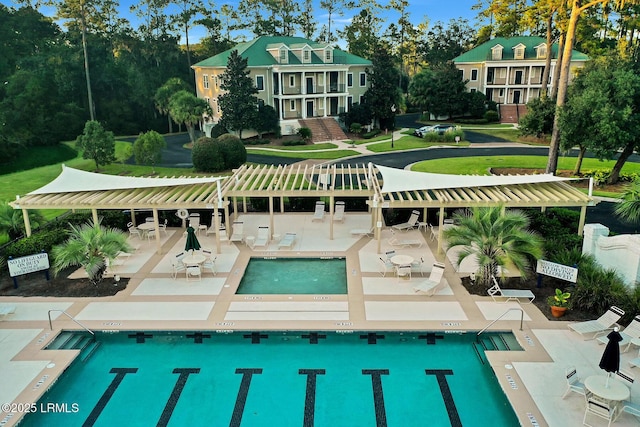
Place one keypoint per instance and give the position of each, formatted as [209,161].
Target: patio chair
[594,328]
[318,214]
[222,234]
[434,283]
[263,237]
[630,408]
[338,215]
[176,267]
[390,254]
[385,267]
[194,271]
[403,243]
[410,224]
[599,408]
[163,226]
[209,262]
[625,378]
[287,241]
[194,221]
[434,232]
[418,265]
[212,227]
[630,333]
[634,363]
[133,231]
[403,271]
[505,295]
[238,232]
[573,382]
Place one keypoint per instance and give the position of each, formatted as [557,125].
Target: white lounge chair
[263,237]
[434,283]
[628,334]
[338,215]
[287,241]
[505,295]
[212,228]
[411,223]
[318,215]
[594,328]
[362,231]
[238,232]
[394,241]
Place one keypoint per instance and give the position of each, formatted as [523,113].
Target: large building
[509,70]
[300,78]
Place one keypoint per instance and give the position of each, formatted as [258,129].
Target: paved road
[410,121]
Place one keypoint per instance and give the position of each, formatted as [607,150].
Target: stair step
[89,350]
[60,340]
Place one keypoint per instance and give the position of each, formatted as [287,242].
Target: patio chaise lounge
[318,215]
[394,241]
[361,231]
[630,333]
[338,215]
[434,283]
[505,295]
[287,241]
[263,237]
[593,328]
[411,223]
[237,232]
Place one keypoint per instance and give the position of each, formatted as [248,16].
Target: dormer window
[328,55]
[283,55]
[518,51]
[306,56]
[541,51]
[496,52]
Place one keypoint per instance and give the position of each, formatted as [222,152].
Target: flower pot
[558,311]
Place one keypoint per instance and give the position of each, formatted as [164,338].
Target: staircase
[322,130]
[75,340]
[511,113]
[495,341]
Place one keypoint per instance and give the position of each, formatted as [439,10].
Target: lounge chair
[434,283]
[411,223]
[362,231]
[394,241]
[212,227]
[594,328]
[287,241]
[238,233]
[6,310]
[318,215]
[263,237]
[338,215]
[630,333]
[385,267]
[505,295]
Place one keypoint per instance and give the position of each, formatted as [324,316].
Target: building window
[260,82]
[283,55]
[306,55]
[327,55]
[215,82]
[292,105]
[519,53]
[350,79]
[218,105]
[501,93]
[349,102]
[503,73]
[363,79]
[361,99]
[205,81]
[473,89]
[496,53]
[474,74]
[292,81]
[542,51]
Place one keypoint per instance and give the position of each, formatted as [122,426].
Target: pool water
[294,276]
[279,379]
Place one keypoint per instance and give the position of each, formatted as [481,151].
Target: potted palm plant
[559,303]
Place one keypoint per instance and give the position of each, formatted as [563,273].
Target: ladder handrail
[501,316]
[70,317]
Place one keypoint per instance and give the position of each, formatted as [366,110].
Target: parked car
[440,129]
[421,131]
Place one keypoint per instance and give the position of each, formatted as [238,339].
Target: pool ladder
[500,317]
[70,317]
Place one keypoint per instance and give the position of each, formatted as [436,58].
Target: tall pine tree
[239,103]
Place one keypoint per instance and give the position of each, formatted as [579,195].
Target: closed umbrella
[610,361]
[192,241]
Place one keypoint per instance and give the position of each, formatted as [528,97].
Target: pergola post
[216,222]
[271,227]
[226,214]
[156,223]
[281,204]
[244,204]
[424,214]
[379,226]
[583,217]
[132,212]
[235,207]
[440,229]
[94,214]
[27,223]
[331,199]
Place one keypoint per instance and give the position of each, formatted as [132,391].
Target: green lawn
[508,134]
[322,146]
[329,155]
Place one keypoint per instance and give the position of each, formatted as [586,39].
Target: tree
[148,147]
[266,120]
[363,34]
[187,10]
[91,247]
[12,220]
[333,7]
[383,92]
[539,118]
[165,92]
[629,208]
[444,44]
[207,155]
[440,91]
[358,113]
[238,103]
[308,24]
[97,144]
[494,238]
[186,108]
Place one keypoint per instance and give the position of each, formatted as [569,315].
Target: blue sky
[419,10]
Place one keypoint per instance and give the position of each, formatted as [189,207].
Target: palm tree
[629,208]
[90,246]
[12,220]
[496,238]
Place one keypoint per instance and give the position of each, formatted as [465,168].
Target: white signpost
[559,271]
[28,264]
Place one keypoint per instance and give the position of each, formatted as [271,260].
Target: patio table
[193,260]
[401,259]
[614,390]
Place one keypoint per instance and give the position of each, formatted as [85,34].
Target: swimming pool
[294,276]
[279,379]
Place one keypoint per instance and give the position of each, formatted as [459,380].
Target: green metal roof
[256,53]
[482,53]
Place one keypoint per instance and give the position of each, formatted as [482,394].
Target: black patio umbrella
[192,241]
[610,361]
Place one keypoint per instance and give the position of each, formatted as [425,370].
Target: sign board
[559,271]
[28,264]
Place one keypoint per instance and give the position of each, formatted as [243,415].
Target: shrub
[37,242]
[218,130]
[355,128]
[294,142]
[449,136]
[371,134]
[600,176]
[491,116]
[207,155]
[305,133]
[597,289]
[233,151]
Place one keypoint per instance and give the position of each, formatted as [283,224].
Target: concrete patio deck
[533,379]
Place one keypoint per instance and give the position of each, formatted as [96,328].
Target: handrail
[501,316]
[70,317]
